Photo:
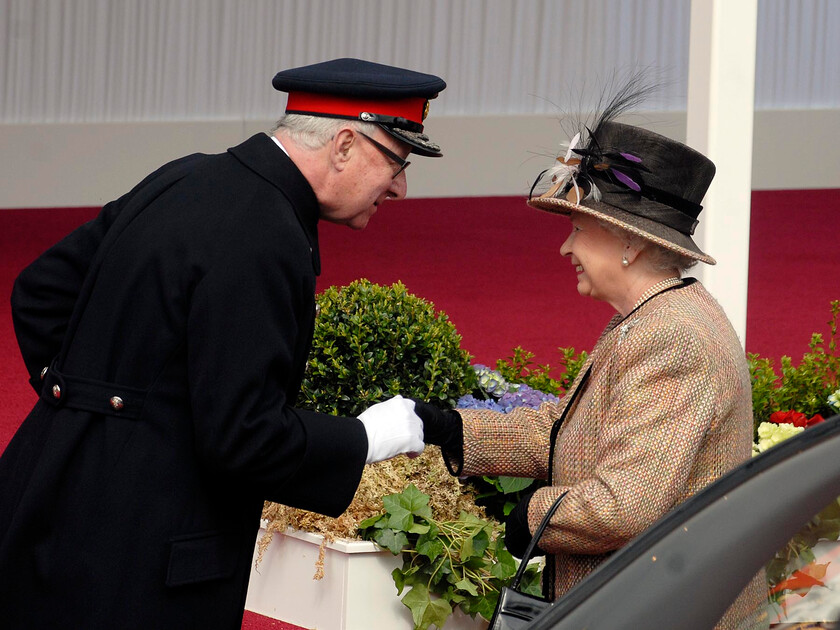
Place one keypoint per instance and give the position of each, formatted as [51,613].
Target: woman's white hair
[657,257]
[313,132]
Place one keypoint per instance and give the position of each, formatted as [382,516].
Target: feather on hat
[643,182]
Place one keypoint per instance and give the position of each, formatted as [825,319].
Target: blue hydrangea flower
[524,396]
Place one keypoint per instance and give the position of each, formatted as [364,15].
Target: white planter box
[356,592]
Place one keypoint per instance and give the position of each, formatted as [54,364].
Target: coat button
[44,372]
[117,403]
[56,391]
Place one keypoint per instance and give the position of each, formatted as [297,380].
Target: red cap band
[411,109]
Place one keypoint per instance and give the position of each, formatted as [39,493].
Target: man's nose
[398,187]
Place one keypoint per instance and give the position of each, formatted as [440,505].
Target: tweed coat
[191,299]
[665,409]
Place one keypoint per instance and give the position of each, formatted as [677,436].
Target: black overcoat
[191,299]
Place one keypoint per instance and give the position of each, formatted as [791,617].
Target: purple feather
[626,180]
[631,157]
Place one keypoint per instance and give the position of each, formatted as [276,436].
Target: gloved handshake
[401,425]
[392,429]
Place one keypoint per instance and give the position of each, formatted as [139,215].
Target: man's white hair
[313,132]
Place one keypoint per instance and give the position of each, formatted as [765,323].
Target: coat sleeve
[45,293]
[661,405]
[514,444]
[247,315]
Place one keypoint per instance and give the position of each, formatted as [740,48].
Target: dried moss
[448,498]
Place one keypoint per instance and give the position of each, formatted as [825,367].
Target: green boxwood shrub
[372,342]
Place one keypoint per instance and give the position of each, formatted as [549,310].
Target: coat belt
[63,390]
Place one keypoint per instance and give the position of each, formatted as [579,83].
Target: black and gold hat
[394,98]
[641,181]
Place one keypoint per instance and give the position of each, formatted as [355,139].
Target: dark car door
[687,569]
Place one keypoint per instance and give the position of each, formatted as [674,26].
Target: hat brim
[647,229]
[420,143]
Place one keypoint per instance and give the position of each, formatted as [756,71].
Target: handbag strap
[529,551]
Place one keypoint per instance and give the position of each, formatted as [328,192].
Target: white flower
[493,382]
[770,434]
[834,401]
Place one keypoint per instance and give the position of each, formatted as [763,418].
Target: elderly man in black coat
[167,340]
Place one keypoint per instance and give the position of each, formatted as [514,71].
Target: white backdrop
[95,94]
[79,61]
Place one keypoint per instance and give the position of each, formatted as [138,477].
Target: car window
[804,576]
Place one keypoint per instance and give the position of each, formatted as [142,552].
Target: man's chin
[360,221]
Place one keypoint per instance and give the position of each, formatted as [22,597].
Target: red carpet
[494,266]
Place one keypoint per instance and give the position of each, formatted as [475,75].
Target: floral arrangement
[781,426]
[462,562]
[497,394]
[784,405]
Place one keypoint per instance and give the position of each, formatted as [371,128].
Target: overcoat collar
[260,154]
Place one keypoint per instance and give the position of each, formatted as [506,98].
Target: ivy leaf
[416,502]
[505,565]
[429,547]
[399,580]
[399,517]
[392,540]
[466,585]
[418,528]
[531,582]
[424,610]
[475,545]
[485,605]
[370,522]
[510,485]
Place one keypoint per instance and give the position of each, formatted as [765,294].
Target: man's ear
[341,148]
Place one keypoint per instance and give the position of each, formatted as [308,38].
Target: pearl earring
[625,262]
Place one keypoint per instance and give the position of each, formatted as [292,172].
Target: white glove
[392,428]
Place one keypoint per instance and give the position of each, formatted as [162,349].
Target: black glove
[444,428]
[517,532]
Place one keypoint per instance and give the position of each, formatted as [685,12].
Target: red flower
[795,418]
[815,420]
[810,575]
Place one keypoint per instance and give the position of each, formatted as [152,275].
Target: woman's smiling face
[596,254]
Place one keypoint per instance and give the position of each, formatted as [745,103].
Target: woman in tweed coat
[662,406]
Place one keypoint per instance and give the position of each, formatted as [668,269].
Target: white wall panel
[149,60]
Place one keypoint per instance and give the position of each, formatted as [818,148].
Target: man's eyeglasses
[403,164]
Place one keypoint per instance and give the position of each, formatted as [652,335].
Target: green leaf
[416,502]
[418,528]
[399,580]
[370,522]
[485,605]
[505,565]
[510,485]
[398,516]
[466,585]
[392,540]
[432,548]
[532,581]
[475,545]
[424,610]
